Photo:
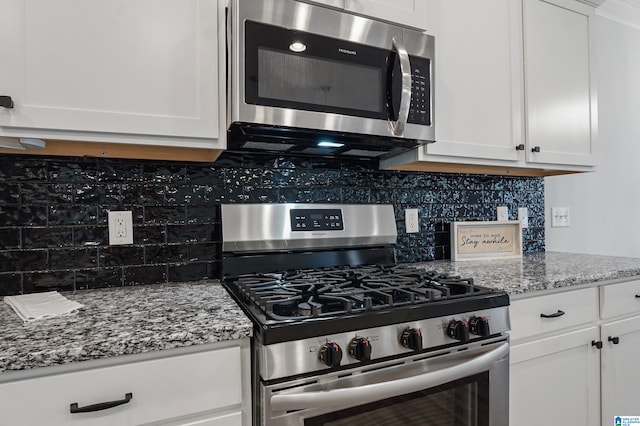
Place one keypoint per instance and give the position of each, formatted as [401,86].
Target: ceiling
[624,11]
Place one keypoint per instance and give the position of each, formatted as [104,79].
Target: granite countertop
[146,319]
[123,321]
[540,272]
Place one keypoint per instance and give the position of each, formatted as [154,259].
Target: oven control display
[316,220]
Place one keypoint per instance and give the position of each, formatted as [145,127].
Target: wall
[53,212]
[604,203]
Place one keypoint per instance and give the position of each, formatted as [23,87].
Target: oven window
[464,402]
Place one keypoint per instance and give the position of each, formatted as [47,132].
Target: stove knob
[360,348]
[458,330]
[479,326]
[411,338]
[330,354]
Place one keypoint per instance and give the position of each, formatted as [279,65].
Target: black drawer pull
[555,315]
[73,408]
[520,147]
[614,340]
[535,149]
[597,344]
[637,296]
[6,102]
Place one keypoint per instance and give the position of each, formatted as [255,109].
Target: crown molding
[626,12]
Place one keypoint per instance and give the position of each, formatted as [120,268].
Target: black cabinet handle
[6,102]
[554,315]
[520,147]
[637,296]
[614,340]
[597,344]
[73,408]
[535,149]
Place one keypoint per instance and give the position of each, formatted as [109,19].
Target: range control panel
[316,220]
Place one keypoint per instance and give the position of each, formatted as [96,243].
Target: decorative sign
[486,240]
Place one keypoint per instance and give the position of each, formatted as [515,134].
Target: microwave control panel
[420,108]
[316,220]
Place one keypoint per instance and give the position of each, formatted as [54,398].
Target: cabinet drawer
[161,389]
[567,309]
[620,299]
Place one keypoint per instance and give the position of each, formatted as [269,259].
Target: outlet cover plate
[523,217]
[560,217]
[120,228]
[411,221]
[502,213]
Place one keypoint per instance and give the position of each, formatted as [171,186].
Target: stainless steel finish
[345,389]
[322,21]
[302,355]
[397,127]
[363,394]
[266,227]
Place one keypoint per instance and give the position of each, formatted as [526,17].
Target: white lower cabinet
[620,372]
[620,335]
[556,380]
[578,365]
[555,370]
[204,389]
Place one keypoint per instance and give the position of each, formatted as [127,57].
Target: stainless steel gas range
[344,335]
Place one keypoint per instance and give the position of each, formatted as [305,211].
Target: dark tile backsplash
[53,212]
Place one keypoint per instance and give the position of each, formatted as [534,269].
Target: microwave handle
[397,127]
[364,394]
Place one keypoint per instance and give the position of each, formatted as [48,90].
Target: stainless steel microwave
[307,79]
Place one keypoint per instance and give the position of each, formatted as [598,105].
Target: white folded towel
[35,306]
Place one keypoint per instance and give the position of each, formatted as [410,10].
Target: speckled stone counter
[540,272]
[122,321]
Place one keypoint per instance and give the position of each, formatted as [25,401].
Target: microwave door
[401,67]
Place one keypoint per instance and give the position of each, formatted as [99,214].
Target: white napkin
[35,306]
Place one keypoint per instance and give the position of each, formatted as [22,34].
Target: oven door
[462,387]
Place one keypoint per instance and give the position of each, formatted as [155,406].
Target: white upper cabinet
[478,73]
[411,13]
[145,71]
[492,113]
[560,97]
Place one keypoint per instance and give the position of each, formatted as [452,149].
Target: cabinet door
[478,93]
[556,380]
[147,67]
[412,13]
[620,372]
[560,96]
[161,390]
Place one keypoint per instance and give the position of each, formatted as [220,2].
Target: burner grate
[311,293]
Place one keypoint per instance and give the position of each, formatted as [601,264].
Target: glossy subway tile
[53,212]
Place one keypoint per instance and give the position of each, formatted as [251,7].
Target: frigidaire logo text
[348,52]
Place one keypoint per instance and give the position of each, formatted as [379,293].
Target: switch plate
[120,228]
[560,217]
[502,212]
[523,217]
[411,221]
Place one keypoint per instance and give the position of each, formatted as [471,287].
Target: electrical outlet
[523,217]
[560,217]
[411,221]
[502,213]
[120,228]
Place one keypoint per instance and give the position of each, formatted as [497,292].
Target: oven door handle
[397,127]
[367,393]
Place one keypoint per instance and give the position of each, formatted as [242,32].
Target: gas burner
[322,292]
